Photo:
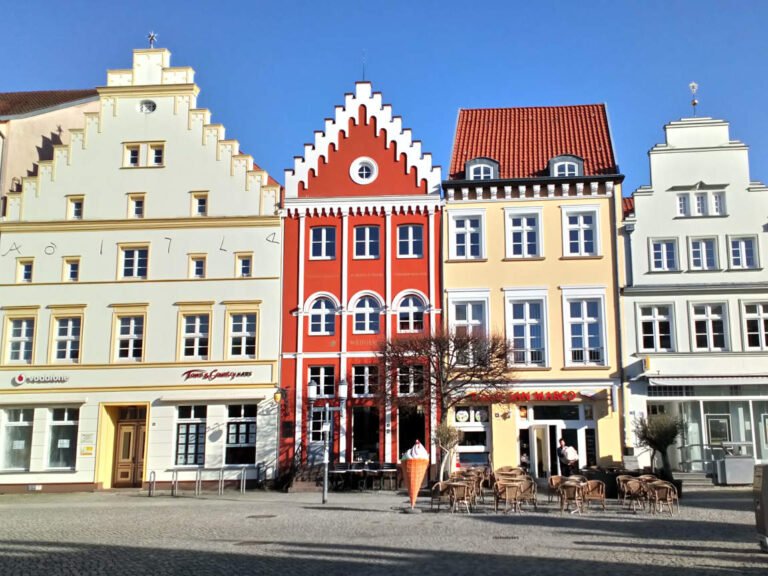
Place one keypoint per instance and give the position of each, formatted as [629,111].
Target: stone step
[305,486]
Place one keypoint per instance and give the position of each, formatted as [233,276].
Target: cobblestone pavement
[266,533]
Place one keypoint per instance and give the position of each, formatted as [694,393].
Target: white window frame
[708,318]
[663,244]
[567,211]
[655,318]
[411,313]
[568,168]
[700,208]
[137,206]
[741,243]
[581,294]
[319,376]
[363,170]
[131,338]
[196,336]
[509,231]
[370,315]
[761,316]
[718,207]
[367,375]
[467,231]
[75,208]
[514,296]
[244,337]
[411,241]
[365,243]
[245,261]
[410,373]
[481,171]
[198,420]
[325,238]
[683,205]
[72,340]
[136,268]
[25,271]
[23,422]
[152,151]
[71,264]
[703,253]
[67,422]
[238,424]
[26,344]
[324,312]
[197,266]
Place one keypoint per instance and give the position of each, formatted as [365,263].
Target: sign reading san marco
[524,396]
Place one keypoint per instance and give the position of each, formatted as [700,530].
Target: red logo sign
[520,396]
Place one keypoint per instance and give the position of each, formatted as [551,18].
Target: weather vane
[152,39]
[364,57]
[694,102]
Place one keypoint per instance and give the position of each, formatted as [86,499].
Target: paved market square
[268,533]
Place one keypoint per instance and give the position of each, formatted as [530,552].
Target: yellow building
[529,252]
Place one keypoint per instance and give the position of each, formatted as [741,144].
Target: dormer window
[482,169]
[566,166]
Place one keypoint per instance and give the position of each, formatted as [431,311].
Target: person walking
[562,457]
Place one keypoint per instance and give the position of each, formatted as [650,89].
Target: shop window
[62,452]
[556,412]
[241,434]
[17,442]
[190,435]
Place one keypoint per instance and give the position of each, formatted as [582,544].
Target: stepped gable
[523,140]
[18,103]
[362,127]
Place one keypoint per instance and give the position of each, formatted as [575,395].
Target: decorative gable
[363,151]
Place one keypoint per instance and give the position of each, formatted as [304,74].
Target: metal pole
[326,433]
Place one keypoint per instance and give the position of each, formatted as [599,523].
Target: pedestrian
[562,457]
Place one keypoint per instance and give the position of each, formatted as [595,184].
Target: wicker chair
[647,478]
[620,481]
[553,483]
[570,492]
[594,491]
[577,478]
[660,494]
[635,493]
[461,494]
[440,494]
[527,493]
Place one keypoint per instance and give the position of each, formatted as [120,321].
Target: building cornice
[361,205]
[695,288]
[150,90]
[140,224]
[531,188]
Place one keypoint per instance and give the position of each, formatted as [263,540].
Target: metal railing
[705,455]
[152,484]
[241,477]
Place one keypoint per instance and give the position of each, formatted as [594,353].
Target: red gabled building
[361,263]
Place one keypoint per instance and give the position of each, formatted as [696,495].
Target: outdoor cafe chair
[621,479]
[461,495]
[635,493]
[527,493]
[594,491]
[647,478]
[660,494]
[500,493]
[440,494]
[577,478]
[553,483]
[503,469]
[570,492]
[389,474]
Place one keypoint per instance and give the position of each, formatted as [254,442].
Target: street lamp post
[326,430]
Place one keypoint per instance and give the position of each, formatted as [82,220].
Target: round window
[363,171]
[147,106]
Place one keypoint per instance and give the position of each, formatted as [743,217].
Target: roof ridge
[547,107]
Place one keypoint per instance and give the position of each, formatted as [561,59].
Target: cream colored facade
[139,274]
[557,387]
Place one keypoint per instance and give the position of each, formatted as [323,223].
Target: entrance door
[410,427]
[129,447]
[542,456]
[365,433]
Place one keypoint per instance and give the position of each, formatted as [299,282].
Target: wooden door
[129,454]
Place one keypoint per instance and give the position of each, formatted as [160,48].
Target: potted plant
[658,432]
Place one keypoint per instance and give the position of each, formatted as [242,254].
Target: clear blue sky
[272,71]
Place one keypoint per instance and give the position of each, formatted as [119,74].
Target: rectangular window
[317,419]
[71,270]
[743,253]
[700,204]
[21,338]
[467,237]
[200,205]
[581,233]
[663,255]
[244,264]
[18,438]
[130,338]
[365,380]
[322,381]
[410,241]
[756,320]
[242,335]
[156,154]
[524,235]
[468,322]
[323,243]
[62,449]
[197,266]
[410,379]
[241,434]
[656,329]
[196,333]
[709,327]
[132,155]
[704,254]
[135,261]
[190,435]
[66,340]
[75,207]
[585,332]
[528,333]
[24,269]
[136,206]
[366,242]
[718,204]
[683,208]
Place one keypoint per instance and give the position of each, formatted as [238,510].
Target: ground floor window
[190,435]
[241,434]
[17,442]
[62,450]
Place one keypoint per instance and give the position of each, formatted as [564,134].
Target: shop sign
[521,396]
[215,374]
[40,379]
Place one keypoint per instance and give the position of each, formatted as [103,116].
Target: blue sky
[272,71]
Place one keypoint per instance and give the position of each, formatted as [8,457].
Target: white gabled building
[696,300]
[140,298]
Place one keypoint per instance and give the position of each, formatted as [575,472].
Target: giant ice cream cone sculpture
[415,463]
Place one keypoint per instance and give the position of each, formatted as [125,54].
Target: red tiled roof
[627,206]
[523,140]
[13,103]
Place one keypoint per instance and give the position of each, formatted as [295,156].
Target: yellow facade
[551,277]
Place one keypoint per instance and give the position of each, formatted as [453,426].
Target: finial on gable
[694,102]
[152,37]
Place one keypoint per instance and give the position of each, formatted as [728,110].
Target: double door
[129,454]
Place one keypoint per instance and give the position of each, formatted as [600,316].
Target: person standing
[562,457]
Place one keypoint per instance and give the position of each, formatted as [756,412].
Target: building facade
[529,252]
[139,273]
[696,299]
[360,264]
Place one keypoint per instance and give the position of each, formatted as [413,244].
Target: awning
[745,380]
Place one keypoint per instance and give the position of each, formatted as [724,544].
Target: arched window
[411,315]
[481,172]
[322,317]
[564,169]
[367,313]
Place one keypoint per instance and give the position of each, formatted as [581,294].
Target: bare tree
[447,367]
[659,432]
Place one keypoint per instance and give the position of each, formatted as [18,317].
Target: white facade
[696,300]
[139,274]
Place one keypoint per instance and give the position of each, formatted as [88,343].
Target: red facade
[362,217]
